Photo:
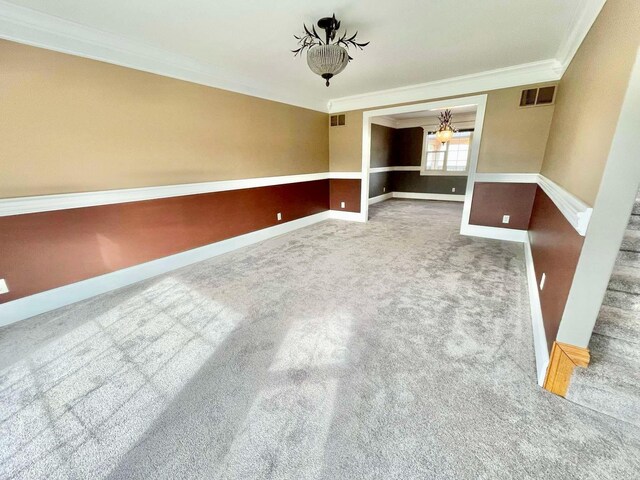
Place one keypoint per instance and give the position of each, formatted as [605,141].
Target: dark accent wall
[345,190]
[493,200]
[556,247]
[381,145]
[403,147]
[380,183]
[414,182]
[408,146]
[41,251]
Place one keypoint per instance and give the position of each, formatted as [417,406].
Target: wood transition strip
[564,358]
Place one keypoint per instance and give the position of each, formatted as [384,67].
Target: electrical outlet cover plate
[279,216]
[506,218]
[342,205]
[3,286]
[542,280]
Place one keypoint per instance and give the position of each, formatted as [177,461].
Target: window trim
[443,173]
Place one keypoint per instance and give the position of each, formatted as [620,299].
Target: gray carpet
[395,349]
[611,384]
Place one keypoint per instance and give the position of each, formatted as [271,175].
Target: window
[451,158]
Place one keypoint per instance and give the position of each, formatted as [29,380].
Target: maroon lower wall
[41,251]
[555,247]
[347,191]
[492,200]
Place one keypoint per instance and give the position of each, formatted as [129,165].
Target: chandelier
[445,129]
[324,57]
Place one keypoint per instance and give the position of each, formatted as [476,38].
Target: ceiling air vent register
[538,96]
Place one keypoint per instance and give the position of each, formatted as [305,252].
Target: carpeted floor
[395,349]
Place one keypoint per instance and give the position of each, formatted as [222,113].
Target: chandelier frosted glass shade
[444,134]
[327,60]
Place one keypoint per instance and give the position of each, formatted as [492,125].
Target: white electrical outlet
[542,280]
[3,286]
[506,218]
[279,216]
[342,205]
[453,189]
[384,189]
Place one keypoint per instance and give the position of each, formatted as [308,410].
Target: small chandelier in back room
[323,57]
[445,129]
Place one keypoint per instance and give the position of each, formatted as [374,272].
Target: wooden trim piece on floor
[564,358]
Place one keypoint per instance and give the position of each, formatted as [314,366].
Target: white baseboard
[349,216]
[380,198]
[496,233]
[539,337]
[429,196]
[26,307]
[417,196]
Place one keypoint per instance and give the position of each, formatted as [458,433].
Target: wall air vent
[538,96]
[337,120]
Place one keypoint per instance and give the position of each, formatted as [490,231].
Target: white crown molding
[461,120]
[585,14]
[385,122]
[507,177]
[577,213]
[64,201]
[537,323]
[26,307]
[549,70]
[527,73]
[28,26]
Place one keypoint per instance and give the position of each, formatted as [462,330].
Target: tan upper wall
[70,124]
[590,98]
[345,144]
[513,138]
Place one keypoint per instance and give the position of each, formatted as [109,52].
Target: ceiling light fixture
[323,57]
[445,129]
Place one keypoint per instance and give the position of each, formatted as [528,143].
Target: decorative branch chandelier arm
[351,41]
[308,40]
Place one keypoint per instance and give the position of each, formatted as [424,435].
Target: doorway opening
[402,158]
